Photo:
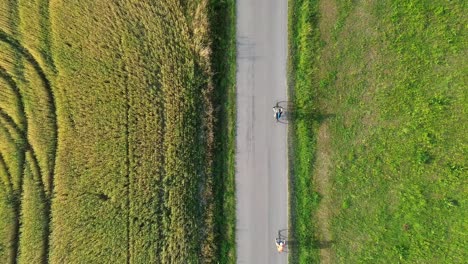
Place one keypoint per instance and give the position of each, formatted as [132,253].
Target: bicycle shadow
[291,243]
[318,244]
[291,113]
[310,115]
[288,116]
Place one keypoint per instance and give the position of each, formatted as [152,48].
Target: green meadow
[379,137]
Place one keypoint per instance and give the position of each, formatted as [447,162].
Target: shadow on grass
[291,113]
[301,115]
[317,244]
[311,116]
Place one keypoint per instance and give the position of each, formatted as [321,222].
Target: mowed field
[380,131]
[110,121]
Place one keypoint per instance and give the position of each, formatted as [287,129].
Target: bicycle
[278,112]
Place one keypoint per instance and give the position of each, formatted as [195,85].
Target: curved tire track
[27,149]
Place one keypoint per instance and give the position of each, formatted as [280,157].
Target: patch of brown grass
[323,185]
[328,17]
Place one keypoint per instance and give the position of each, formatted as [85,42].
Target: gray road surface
[261,162]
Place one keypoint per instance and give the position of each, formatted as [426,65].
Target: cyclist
[278,110]
[280,244]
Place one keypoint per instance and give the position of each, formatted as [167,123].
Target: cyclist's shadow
[291,243]
[310,115]
[291,113]
[318,244]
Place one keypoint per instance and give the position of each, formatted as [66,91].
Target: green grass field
[379,168]
[116,131]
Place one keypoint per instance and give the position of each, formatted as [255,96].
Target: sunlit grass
[394,78]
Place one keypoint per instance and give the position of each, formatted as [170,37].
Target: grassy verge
[392,78]
[223,22]
[303,45]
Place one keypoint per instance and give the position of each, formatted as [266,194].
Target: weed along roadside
[116,132]
[378,158]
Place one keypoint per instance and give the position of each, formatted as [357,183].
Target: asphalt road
[261,161]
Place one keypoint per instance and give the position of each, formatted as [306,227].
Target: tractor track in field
[27,148]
